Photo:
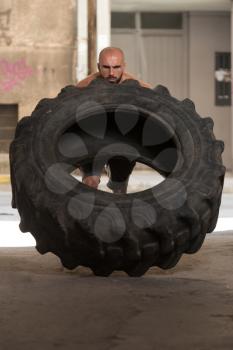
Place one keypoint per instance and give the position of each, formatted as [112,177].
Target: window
[123,20]
[149,20]
[222,78]
[160,20]
[8,121]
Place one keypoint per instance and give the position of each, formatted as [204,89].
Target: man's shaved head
[112,50]
[111,64]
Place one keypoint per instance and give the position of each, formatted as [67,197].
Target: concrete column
[82,40]
[103,33]
[231,86]
[92,36]
[103,24]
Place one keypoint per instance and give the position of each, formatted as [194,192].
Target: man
[111,67]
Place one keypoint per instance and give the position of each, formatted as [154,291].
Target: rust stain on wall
[5,17]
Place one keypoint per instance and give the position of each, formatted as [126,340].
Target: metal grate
[8,122]
[222,78]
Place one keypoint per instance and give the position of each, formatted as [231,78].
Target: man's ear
[98,65]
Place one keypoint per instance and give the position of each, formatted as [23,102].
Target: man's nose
[111,71]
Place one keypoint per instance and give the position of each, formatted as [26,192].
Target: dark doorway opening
[8,122]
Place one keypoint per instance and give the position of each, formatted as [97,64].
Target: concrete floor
[190,307]
[44,306]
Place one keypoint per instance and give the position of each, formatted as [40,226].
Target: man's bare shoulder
[127,75]
[85,82]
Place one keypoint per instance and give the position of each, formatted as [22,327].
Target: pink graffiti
[13,73]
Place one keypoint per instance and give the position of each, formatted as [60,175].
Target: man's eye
[117,67]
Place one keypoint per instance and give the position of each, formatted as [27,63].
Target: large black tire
[103,231]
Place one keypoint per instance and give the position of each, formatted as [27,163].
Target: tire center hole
[127,150]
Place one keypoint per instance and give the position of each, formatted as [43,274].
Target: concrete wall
[209,32]
[37,50]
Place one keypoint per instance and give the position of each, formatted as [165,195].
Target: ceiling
[171,5]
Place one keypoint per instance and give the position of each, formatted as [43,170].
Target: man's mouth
[112,79]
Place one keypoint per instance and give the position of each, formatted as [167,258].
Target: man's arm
[141,82]
[85,82]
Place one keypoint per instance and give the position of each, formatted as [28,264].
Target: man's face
[111,66]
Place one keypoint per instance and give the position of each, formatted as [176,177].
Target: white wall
[209,32]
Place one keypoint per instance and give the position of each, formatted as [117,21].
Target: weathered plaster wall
[37,50]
